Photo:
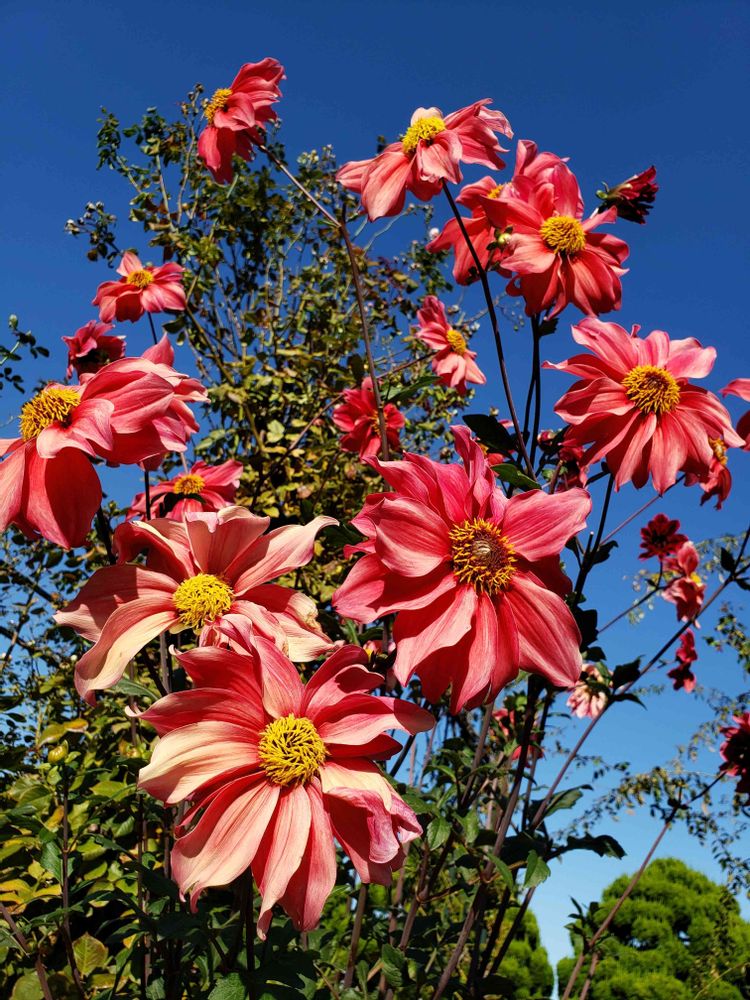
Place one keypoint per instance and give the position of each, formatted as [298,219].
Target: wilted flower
[632,198]
[90,349]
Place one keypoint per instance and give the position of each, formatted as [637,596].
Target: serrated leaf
[537,871]
[51,859]
[509,473]
[438,832]
[393,963]
[230,988]
[90,954]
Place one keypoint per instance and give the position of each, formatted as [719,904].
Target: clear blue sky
[616,87]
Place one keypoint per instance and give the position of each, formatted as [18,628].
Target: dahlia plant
[295,706]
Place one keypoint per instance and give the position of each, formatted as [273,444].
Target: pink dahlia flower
[741,387]
[90,349]
[717,480]
[275,769]
[682,676]
[557,256]
[486,239]
[686,589]
[474,578]
[661,537]
[204,488]
[454,363]
[237,115]
[634,198]
[736,752]
[141,289]
[588,699]
[635,407]
[202,574]
[428,153]
[123,413]
[357,416]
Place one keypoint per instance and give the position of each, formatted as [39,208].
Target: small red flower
[237,115]
[203,488]
[358,417]
[454,363]
[682,676]
[686,590]
[736,752]
[717,481]
[428,153]
[141,289]
[90,349]
[633,198]
[661,537]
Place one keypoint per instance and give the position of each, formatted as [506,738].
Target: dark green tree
[679,936]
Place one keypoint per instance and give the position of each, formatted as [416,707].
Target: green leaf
[727,560]
[230,988]
[490,432]
[135,690]
[565,799]
[508,473]
[27,988]
[393,964]
[505,873]
[537,871]
[603,845]
[438,832]
[90,954]
[51,859]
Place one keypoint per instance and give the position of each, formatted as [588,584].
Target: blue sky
[616,87]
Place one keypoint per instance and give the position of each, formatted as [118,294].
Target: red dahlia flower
[275,770]
[428,153]
[141,289]
[358,417]
[557,256]
[131,409]
[741,387]
[661,537]
[686,590]
[454,363]
[200,574]
[474,578]
[736,752]
[90,349]
[632,198]
[237,115]
[484,234]
[204,488]
[635,406]
[682,676]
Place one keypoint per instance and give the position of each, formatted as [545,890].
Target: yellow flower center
[52,406]
[290,750]
[456,341]
[482,556]
[495,192]
[141,279]
[202,599]
[651,389]
[563,234]
[719,449]
[423,130]
[189,483]
[217,103]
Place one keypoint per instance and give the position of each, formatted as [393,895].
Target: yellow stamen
[456,341]
[651,389]
[141,279]
[217,103]
[482,556]
[563,234]
[495,192]
[189,483]
[719,449]
[423,130]
[52,406]
[290,750]
[202,599]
